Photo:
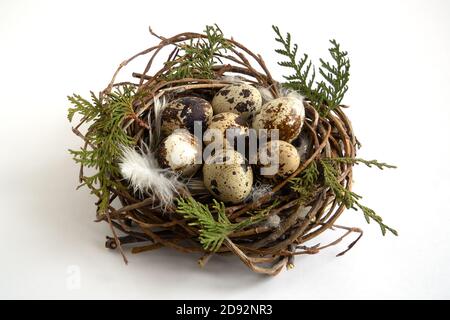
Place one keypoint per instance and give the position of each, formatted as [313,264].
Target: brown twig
[263,249]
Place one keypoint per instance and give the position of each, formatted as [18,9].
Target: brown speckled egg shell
[227,176]
[285,114]
[238,98]
[183,112]
[288,158]
[223,122]
[178,152]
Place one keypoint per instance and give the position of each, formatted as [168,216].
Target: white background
[399,97]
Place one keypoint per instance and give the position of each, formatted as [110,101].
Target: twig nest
[265,222]
[286,114]
[179,152]
[183,112]
[222,124]
[238,98]
[278,159]
[227,176]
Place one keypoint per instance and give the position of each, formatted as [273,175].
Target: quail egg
[278,159]
[179,152]
[224,129]
[227,176]
[238,98]
[285,114]
[183,113]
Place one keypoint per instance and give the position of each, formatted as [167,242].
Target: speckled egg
[238,98]
[179,152]
[183,112]
[221,124]
[227,176]
[285,114]
[279,159]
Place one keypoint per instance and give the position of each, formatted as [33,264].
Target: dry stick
[349,231]
[327,145]
[321,218]
[204,260]
[138,205]
[318,248]
[150,247]
[160,225]
[116,238]
[290,264]
[184,80]
[252,262]
[169,224]
[124,63]
[250,232]
[186,36]
[286,225]
[130,232]
[274,211]
[348,179]
[346,175]
[111,243]
[168,243]
[191,35]
[156,225]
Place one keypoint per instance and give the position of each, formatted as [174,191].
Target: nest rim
[263,251]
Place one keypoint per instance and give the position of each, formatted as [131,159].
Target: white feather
[272,222]
[266,94]
[145,176]
[158,106]
[291,94]
[233,79]
[259,190]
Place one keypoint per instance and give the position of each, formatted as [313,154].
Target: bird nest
[272,225]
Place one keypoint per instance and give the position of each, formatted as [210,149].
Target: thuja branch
[369,163]
[306,183]
[213,231]
[104,137]
[325,94]
[197,58]
[303,76]
[327,171]
[346,197]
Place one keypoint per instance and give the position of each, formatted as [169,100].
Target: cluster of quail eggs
[226,173]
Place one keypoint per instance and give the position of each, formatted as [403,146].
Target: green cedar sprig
[325,94]
[369,163]
[305,183]
[104,137]
[214,231]
[196,58]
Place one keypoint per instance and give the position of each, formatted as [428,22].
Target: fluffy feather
[259,190]
[292,94]
[158,106]
[233,79]
[266,94]
[145,176]
[303,144]
[272,221]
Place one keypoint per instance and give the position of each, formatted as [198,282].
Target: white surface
[399,93]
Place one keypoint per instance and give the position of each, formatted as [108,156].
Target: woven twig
[263,249]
